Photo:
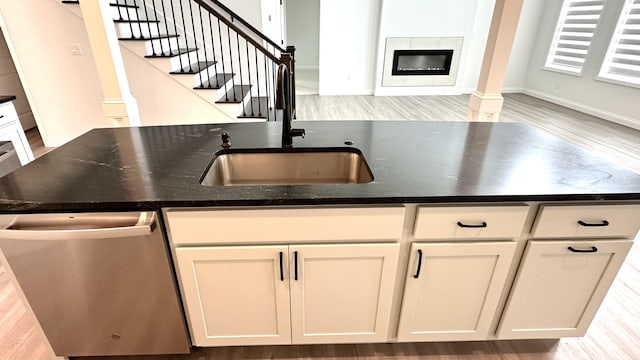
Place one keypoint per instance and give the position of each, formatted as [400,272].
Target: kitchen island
[483,217]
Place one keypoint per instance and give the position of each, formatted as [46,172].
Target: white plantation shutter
[571,41]
[622,62]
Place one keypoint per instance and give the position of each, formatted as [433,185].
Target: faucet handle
[226,140]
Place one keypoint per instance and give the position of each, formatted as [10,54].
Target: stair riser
[122,13]
[178,62]
[165,43]
[126,30]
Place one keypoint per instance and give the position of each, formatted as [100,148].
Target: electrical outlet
[76,49]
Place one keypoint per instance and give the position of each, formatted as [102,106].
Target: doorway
[10,84]
[303,31]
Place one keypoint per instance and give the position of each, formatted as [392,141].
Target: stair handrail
[245,23]
[235,28]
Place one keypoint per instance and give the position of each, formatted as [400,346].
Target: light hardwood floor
[614,334]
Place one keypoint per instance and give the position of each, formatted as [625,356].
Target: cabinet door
[342,293]
[452,290]
[558,291]
[236,295]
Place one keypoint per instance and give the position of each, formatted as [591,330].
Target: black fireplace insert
[421,62]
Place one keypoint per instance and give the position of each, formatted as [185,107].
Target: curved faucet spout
[283,102]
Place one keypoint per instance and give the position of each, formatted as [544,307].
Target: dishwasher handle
[144,226]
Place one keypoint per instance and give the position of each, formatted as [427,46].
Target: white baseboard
[512,90]
[607,115]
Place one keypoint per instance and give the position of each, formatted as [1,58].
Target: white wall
[348,46]
[10,85]
[162,100]
[610,101]
[523,44]
[303,31]
[63,89]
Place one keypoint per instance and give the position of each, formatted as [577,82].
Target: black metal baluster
[231,59]
[266,86]
[138,17]
[222,59]
[146,16]
[275,86]
[186,38]
[204,48]
[239,70]
[155,16]
[126,9]
[246,45]
[175,30]
[255,53]
[213,49]
[193,26]
[120,11]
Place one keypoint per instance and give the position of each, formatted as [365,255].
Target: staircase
[211,50]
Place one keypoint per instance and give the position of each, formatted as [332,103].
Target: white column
[120,107]
[485,103]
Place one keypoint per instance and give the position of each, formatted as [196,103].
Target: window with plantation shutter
[622,61]
[571,41]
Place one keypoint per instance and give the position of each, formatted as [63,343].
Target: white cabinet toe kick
[433,272]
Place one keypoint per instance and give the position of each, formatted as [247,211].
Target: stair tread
[136,21]
[234,95]
[217,81]
[124,5]
[174,52]
[155,37]
[193,68]
[257,108]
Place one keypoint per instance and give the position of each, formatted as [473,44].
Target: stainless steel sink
[287,166]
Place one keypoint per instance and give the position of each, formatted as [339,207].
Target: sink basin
[284,166]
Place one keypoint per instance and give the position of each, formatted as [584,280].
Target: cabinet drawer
[587,221]
[470,222]
[284,225]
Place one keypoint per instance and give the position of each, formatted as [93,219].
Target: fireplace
[421,61]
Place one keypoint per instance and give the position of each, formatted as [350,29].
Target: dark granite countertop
[6,98]
[412,162]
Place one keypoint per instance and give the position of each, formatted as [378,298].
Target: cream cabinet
[341,293]
[252,295]
[452,290]
[236,295]
[560,286]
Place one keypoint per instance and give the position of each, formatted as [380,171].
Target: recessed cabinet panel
[236,295]
[342,293]
[285,225]
[560,286]
[557,221]
[493,222]
[452,290]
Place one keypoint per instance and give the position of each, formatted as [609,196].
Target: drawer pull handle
[417,274]
[281,267]
[603,223]
[295,265]
[592,250]
[1,116]
[483,225]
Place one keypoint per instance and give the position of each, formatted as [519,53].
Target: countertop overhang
[412,162]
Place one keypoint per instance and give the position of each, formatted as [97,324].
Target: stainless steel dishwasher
[99,283]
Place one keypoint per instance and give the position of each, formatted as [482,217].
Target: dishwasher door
[99,283]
